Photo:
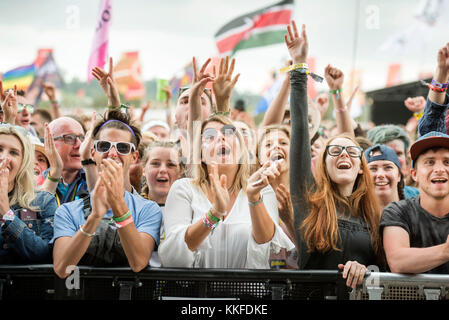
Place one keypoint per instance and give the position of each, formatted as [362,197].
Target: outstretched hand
[224,83]
[443,59]
[4,186]
[298,46]
[107,83]
[9,106]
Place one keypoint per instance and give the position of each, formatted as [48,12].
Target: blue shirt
[146,214]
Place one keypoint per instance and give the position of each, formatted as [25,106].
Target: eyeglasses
[210,134]
[22,106]
[352,151]
[22,130]
[123,148]
[70,138]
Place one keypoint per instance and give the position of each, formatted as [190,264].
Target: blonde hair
[200,173]
[24,182]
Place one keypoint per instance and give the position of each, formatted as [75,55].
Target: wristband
[295,66]
[211,217]
[336,92]
[53,101]
[345,108]
[418,115]
[87,234]
[439,84]
[49,177]
[124,222]
[255,203]
[9,215]
[123,217]
[87,162]
[219,113]
[209,224]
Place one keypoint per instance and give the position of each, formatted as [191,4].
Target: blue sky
[168,33]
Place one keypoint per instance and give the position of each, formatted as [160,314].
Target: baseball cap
[386,153]
[427,141]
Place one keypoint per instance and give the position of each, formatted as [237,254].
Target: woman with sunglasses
[222,217]
[335,209]
[26,215]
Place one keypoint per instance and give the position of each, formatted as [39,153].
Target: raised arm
[437,103]
[200,81]
[55,161]
[334,78]
[86,154]
[50,92]
[107,83]
[276,110]
[9,106]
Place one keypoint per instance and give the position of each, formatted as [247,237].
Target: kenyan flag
[259,28]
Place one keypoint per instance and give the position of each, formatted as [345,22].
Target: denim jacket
[433,118]
[25,239]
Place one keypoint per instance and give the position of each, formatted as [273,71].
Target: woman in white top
[222,218]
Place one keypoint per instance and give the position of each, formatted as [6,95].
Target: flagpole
[355,41]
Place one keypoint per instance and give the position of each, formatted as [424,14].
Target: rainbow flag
[21,76]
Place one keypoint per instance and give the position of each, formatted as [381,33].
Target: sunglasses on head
[22,107]
[211,134]
[336,150]
[123,148]
[70,138]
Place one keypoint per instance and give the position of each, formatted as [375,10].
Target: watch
[88,161]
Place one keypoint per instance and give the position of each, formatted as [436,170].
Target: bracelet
[418,115]
[345,108]
[255,203]
[9,215]
[436,86]
[337,92]
[124,222]
[211,217]
[295,66]
[49,177]
[87,162]
[439,84]
[219,113]
[209,224]
[122,217]
[87,234]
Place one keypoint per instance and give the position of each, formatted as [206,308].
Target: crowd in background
[209,188]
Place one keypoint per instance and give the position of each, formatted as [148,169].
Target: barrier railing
[40,282]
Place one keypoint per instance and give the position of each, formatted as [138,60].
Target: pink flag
[99,51]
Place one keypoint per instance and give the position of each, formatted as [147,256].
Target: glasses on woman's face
[336,150]
[210,134]
[123,148]
[22,107]
[70,138]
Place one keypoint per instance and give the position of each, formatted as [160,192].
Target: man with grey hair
[68,135]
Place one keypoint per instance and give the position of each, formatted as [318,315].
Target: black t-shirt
[424,229]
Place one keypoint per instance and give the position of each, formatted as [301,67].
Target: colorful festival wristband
[124,222]
[49,177]
[123,217]
[336,92]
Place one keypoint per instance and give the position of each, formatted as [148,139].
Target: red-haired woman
[335,209]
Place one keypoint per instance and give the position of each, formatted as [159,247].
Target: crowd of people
[213,189]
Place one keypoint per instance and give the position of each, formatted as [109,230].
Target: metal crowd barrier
[39,282]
